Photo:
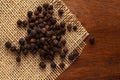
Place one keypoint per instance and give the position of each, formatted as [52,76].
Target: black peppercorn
[51,12]
[60,12]
[50,7]
[33,33]
[62,55]
[13,48]
[32,46]
[21,41]
[33,18]
[18,51]
[53,21]
[58,38]
[19,23]
[69,27]
[25,23]
[53,65]
[44,13]
[75,28]
[29,14]
[41,25]
[62,24]
[18,59]
[31,25]
[55,42]
[25,52]
[36,13]
[50,57]
[22,48]
[63,41]
[91,40]
[45,5]
[42,65]
[62,65]
[73,55]
[39,8]
[7,44]
[29,30]
[65,50]
[32,40]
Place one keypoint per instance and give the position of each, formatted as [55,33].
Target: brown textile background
[28,69]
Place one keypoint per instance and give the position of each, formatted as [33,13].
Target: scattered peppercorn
[18,59]
[29,14]
[62,55]
[53,65]
[60,12]
[39,8]
[21,41]
[75,28]
[50,7]
[25,52]
[7,44]
[42,65]
[69,27]
[25,23]
[13,48]
[19,23]
[73,55]
[92,40]
[62,65]
[45,5]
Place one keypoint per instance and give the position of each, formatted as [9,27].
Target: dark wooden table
[101,18]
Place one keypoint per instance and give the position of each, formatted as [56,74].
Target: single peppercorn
[91,40]
[63,41]
[42,65]
[75,28]
[19,23]
[62,24]
[49,57]
[53,65]
[21,41]
[60,12]
[8,44]
[25,52]
[31,25]
[36,13]
[51,12]
[58,38]
[50,7]
[53,21]
[22,47]
[69,27]
[39,8]
[45,5]
[18,51]
[13,48]
[65,50]
[18,59]
[73,55]
[29,14]
[62,55]
[62,65]
[25,23]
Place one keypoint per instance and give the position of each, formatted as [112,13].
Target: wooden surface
[101,61]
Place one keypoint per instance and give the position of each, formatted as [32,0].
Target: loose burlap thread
[28,68]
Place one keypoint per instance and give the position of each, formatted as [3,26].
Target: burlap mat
[28,69]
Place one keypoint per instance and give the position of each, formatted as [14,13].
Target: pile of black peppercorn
[44,36]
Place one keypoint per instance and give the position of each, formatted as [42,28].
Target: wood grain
[101,61]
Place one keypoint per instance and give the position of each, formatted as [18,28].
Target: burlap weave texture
[28,69]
